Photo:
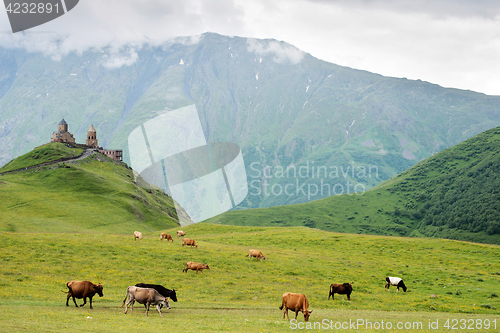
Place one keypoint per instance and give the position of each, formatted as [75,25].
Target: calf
[195,266]
[83,289]
[166,236]
[257,254]
[147,296]
[295,302]
[394,281]
[189,242]
[341,289]
[137,234]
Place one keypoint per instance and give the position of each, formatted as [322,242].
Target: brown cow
[180,233]
[295,302]
[137,234]
[341,289]
[195,266]
[257,254]
[83,289]
[166,236]
[189,242]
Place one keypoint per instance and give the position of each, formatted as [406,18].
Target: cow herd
[159,296]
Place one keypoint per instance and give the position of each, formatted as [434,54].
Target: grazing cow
[257,254]
[83,289]
[341,289]
[180,233]
[162,290]
[166,236]
[189,242]
[195,266]
[394,281]
[146,296]
[137,234]
[295,302]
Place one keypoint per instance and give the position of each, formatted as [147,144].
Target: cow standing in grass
[189,242]
[137,234]
[161,289]
[394,281]
[83,289]
[195,266]
[166,236]
[341,289]
[296,303]
[257,254]
[180,233]
[146,296]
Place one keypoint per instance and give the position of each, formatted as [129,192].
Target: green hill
[50,152]
[453,194]
[446,279]
[94,194]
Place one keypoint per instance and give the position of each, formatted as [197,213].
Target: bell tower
[91,137]
[62,127]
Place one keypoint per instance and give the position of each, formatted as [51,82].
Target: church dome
[63,122]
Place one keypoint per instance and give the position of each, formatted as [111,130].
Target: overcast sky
[453,43]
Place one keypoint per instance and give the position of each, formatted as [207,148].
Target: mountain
[308,129]
[92,194]
[452,194]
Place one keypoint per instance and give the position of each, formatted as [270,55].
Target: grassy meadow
[238,294]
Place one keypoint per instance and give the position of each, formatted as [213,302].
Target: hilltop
[453,194]
[44,154]
[93,194]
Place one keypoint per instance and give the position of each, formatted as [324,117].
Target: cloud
[281,52]
[119,58]
[435,8]
[96,24]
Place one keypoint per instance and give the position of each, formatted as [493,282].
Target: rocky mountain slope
[283,107]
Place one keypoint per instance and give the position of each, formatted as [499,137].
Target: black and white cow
[394,281]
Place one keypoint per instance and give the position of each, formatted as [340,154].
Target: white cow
[137,234]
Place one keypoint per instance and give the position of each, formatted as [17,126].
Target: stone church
[62,135]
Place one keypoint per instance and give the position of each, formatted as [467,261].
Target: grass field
[242,295]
